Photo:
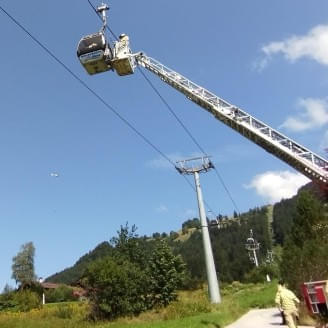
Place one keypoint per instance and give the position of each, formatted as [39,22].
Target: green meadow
[191,310]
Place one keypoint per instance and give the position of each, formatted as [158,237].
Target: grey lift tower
[194,166]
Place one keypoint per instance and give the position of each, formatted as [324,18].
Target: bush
[258,274]
[116,288]
[190,283]
[7,299]
[61,294]
[27,300]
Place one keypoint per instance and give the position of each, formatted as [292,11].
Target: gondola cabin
[94,53]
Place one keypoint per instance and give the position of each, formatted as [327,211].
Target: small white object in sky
[54,174]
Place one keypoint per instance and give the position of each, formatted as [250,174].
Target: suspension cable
[176,117]
[94,93]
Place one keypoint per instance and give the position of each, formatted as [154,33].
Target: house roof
[49,285]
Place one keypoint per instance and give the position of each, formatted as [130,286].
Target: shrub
[190,283]
[61,294]
[258,274]
[7,299]
[116,288]
[27,300]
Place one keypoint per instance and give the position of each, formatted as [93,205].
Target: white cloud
[313,45]
[314,114]
[276,185]
[162,208]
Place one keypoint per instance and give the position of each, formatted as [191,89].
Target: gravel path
[265,318]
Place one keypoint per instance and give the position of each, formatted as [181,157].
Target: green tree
[305,251]
[62,293]
[173,235]
[166,274]
[23,266]
[192,223]
[128,245]
[191,251]
[7,298]
[259,274]
[7,290]
[283,213]
[156,235]
[116,288]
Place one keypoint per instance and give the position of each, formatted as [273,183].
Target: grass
[192,310]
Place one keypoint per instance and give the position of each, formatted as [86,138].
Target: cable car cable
[95,10]
[175,116]
[94,93]
[170,109]
[190,135]
[87,87]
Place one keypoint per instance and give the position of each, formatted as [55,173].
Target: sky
[72,172]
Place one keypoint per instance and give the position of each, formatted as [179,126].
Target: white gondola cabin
[94,53]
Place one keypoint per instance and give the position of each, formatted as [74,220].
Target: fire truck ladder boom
[274,142]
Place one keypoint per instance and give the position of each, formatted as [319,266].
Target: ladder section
[274,142]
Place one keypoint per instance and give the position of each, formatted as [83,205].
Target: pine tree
[305,252]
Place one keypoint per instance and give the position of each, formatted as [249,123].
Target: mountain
[270,226]
[228,244]
[71,275]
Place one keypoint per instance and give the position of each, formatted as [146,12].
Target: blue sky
[267,57]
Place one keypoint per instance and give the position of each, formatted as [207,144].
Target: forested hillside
[129,274]
[228,242]
[284,211]
[270,225]
[73,274]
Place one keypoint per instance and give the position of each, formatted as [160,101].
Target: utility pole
[252,246]
[203,164]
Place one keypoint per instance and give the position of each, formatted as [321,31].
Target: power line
[175,116]
[88,88]
[108,28]
[226,189]
[94,93]
[189,134]
[172,112]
